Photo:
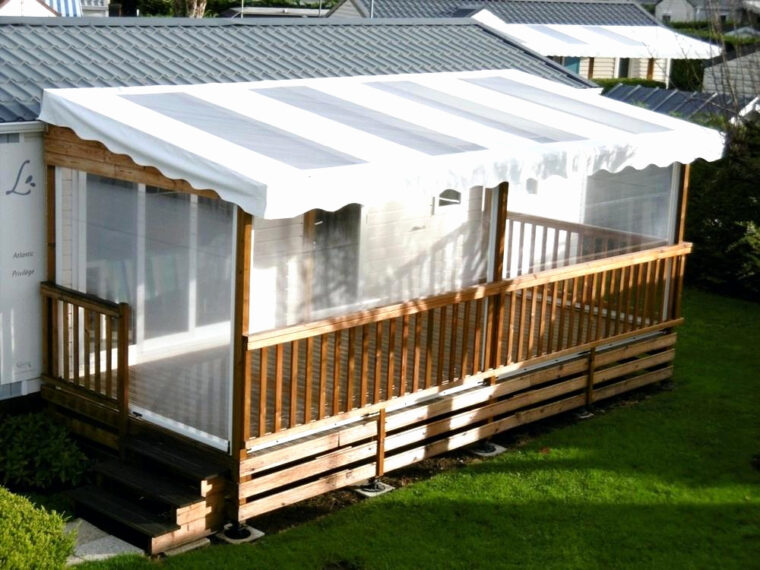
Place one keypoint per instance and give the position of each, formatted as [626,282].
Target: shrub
[37,453]
[31,537]
[607,84]
[723,219]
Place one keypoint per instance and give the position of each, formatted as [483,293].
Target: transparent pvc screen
[170,256]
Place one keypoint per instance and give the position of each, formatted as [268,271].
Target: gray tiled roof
[572,12]
[49,52]
[682,104]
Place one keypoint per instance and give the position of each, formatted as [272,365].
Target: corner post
[241,403]
[495,308]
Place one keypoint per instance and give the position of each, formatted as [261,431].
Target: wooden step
[180,459]
[122,517]
[143,482]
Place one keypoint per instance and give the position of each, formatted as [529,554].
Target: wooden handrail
[577,228]
[296,332]
[84,300]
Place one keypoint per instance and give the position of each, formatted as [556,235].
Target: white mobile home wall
[22,257]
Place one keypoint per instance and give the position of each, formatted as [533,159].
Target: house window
[666,18]
[449,198]
[572,64]
[624,67]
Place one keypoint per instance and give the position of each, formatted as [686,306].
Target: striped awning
[280,148]
[654,41]
[66,8]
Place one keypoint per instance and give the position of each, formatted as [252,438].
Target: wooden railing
[537,244]
[85,345]
[328,368]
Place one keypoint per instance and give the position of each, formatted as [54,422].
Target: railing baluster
[478,338]
[544,236]
[87,347]
[598,333]
[66,373]
[389,380]
[429,348]
[521,327]
[552,317]
[351,371]
[322,375]
[441,345]
[532,258]
[76,348]
[364,366]
[403,372]
[647,296]
[638,295]
[308,380]
[263,364]
[417,351]
[109,356]
[378,362]
[55,365]
[521,246]
[511,327]
[98,334]
[336,372]
[278,366]
[540,348]
[293,416]
[452,371]
[533,319]
[465,361]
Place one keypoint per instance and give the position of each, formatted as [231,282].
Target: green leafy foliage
[37,453]
[723,219]
[607,84]
[31,537]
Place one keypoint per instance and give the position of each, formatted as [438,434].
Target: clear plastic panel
[170,256]
[325,264]
[558,222]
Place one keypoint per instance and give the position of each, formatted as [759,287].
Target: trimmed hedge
[37,453]
[31,537]
[607,84]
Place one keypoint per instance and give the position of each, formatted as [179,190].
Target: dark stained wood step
[121,517]
[148,484]
[177,458]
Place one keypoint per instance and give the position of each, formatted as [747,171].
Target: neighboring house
[598,39]
[66,8]
[719,11]
[95,8]
[272,12]
[31,8]
[690,105]
[380,242]
[739,77]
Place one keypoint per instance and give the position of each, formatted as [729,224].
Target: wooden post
[380,443]
[241,403]
[683,196]
[591,372]
[122,370]
[50,209]
[650,69]
[591,68]
[496,308]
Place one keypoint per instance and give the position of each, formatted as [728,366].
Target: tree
[189,8]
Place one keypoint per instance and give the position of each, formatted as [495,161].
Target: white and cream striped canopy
[280,148]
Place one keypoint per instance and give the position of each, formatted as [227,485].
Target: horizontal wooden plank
[634,366]
[476,434]
[462,420]
[286,453]
[634,349]
[334,460]
[318,487]
[633,383]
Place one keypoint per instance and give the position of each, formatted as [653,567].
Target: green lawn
[666,483]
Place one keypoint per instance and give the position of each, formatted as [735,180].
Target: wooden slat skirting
[320,462]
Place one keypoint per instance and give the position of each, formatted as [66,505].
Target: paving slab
[96,544]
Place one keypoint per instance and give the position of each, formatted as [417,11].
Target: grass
[666,483]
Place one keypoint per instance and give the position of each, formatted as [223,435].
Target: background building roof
[572,12]
[683,104]
[111,52]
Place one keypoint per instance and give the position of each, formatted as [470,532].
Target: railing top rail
[577,227]
[80,299]
[316,328]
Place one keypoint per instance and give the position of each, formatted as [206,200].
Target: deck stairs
[162,495]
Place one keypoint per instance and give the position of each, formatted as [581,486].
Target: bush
[723,219]
[31,537]
[607,84]
[37,453]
